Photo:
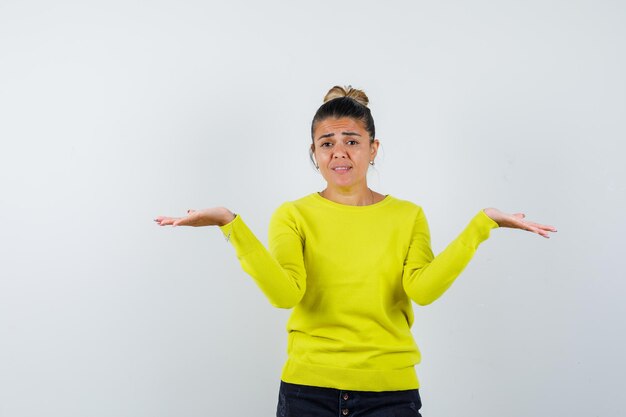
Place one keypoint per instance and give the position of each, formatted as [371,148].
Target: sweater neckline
[331,203]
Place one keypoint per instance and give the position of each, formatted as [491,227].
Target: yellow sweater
[350,273]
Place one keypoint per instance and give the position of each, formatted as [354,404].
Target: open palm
[214,216]
[517,221]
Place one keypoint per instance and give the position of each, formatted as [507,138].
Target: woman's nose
[339,152]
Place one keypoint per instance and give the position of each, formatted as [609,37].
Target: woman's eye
[352,142]
[325,144]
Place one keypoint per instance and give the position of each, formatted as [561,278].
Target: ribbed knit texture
[349,273]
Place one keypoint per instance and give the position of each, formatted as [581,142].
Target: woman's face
[343,151]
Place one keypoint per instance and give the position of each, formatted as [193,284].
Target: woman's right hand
[214,216]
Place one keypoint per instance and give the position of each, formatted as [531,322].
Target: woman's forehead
[338,124]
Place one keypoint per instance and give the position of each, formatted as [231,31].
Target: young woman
[349,260]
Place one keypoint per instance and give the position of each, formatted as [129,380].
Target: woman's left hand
[516,221]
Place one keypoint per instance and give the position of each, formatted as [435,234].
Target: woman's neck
[361,197]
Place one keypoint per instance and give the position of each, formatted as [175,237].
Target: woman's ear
[374,148]
[312,157]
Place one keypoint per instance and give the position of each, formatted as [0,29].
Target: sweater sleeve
[279,272]
[426,277]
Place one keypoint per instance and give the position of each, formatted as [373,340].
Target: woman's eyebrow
[328,135]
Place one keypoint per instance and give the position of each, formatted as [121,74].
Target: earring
[372,163]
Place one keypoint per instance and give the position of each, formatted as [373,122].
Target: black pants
[306,401]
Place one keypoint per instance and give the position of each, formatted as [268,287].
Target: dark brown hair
[345,102]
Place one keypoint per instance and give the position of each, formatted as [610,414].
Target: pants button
[346,396]
[345,411]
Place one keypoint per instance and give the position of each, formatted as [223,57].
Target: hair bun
[338,92]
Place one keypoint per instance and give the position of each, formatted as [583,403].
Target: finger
[531,227]
[183,221]
[543,226]
[519,215]
[164,221]
[541,232]
[528,227]
[550,228]
[546,227]
[544,234]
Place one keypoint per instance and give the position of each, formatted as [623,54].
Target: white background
[112,113]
